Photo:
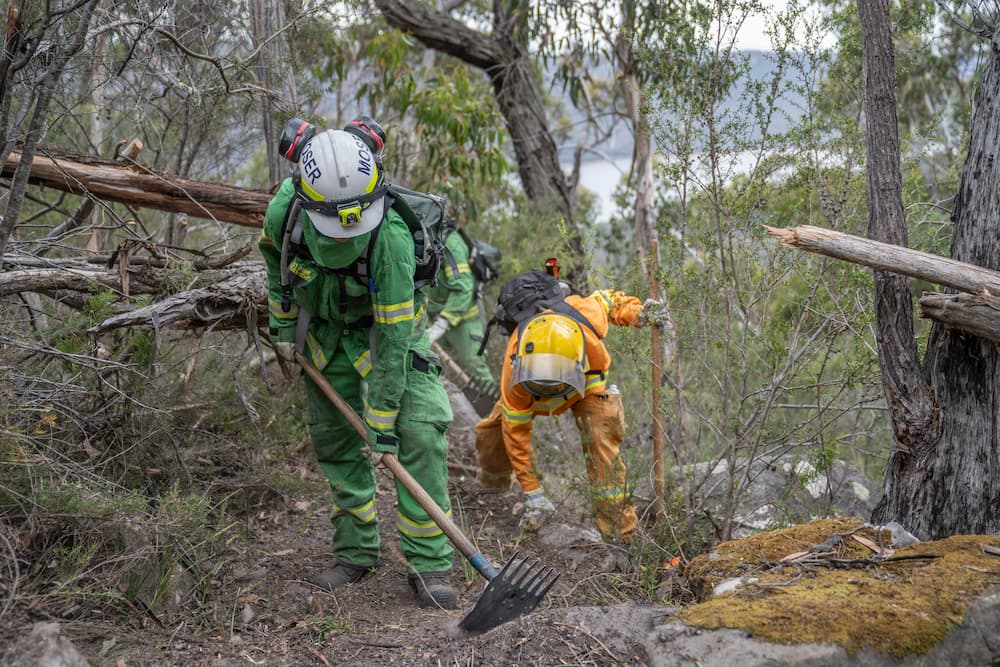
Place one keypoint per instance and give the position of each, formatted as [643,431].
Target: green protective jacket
[373,323]
[454,297]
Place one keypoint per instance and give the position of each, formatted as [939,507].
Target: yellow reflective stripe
[458,269]
[316,350]
[391,314]
[605,299]
[380,420]
[372,183]
[365,513]
[517,416]
[452,318]
[609,493]
[274,308]
[553,403]
[315,196]
[471,313]
[363,364]
[408,526]
[420,311]
[301,270]
[265,240]
[596,382]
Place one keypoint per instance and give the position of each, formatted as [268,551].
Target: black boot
[339,575]
[433,589]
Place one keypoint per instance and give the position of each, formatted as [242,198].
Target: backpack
[424,215]
[485,259]
[524,296]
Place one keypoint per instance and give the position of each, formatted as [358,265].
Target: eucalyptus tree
[943,476]
[503,52]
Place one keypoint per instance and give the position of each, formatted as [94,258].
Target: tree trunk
[504,57]
[943,477]
[43,97]
[963,494]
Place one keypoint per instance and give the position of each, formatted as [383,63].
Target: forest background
[768,351]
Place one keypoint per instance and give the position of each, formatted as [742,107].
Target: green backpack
[485,260]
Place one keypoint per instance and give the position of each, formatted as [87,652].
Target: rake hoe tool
[513,591]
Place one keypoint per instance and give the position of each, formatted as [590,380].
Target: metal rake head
[516,590]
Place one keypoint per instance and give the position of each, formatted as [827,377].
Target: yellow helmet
[551,356]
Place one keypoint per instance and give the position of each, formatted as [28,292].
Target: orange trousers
[601,421]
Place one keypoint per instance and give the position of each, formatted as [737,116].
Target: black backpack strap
[291,234]
[566,309]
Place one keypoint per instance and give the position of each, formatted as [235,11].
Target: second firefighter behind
[456,325]
[554,363]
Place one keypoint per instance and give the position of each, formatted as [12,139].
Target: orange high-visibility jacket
[520,407]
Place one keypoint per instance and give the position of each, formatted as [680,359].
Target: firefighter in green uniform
[456,325]
[362,332]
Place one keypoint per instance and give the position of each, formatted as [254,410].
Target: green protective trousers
[462,343]
[423,418]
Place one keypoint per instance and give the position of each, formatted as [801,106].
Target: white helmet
[340,184]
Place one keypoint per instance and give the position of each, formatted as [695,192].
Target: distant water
[602,176]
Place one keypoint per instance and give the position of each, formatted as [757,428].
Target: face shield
[551,356]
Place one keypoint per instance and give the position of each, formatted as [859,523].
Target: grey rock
[43,646]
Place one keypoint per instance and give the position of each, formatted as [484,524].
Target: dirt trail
[260,611]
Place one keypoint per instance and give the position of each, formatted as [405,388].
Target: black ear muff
[294,136]
[369,131]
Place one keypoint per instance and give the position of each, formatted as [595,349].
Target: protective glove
[437,329]
[537,508]
[654,311]
[374,457]
[285,351]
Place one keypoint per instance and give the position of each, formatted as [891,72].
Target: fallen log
[51,279]
[976,314]
[129,182]
[234,300]
[887,257]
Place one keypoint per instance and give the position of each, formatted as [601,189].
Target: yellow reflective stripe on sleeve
[316,351]
[274,308]
[453,319]
[265,240]
[517,416]
[462,267]
[596,383]
[408,526]
[394,313]
[363,364]
[365,513]
[471,313]
[605,297]
[380,420]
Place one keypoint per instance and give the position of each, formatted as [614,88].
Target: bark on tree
[943,477]
[136,185]
[504,57]
[43,94]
